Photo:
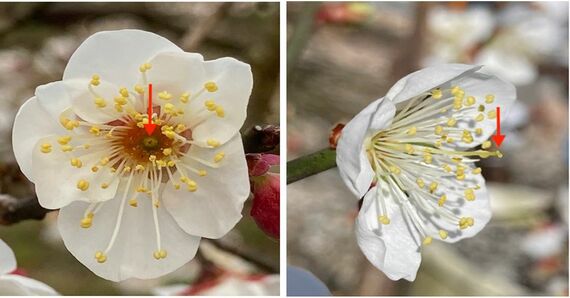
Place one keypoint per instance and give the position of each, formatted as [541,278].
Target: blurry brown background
[342,56]
[36,41]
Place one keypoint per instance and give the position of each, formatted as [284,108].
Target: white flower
[411,147]
[134,205]
[17,285]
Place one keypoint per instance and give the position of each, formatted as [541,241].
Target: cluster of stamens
[137,159]
[418,154]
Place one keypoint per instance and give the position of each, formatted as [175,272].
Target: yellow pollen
[202,173]
[438,130]
[384,219]
[489,98]
[104,185]
[211,87]
[94,169]
[101,257]
[481,108]
[478,131]
[144,67]
[180,128]
[220,112]
[66,148]
[428,157]
[436,94]
[219,156]
[210,105]
[469,194]
[95,130]
[167,151]
[185,97]
[433,187]
[162,253]
[409,149]
[152,157]
[124,92]
[139,89]
[427,240]
[213,143]
[443,234]
[104,161]
[164,95]
[457,102]
[133,202]
[486,145]
[171,163]
[82,185]
[480,117]
[467,137]
[45,148]
[395,170]
[499,154]
[120,101]
[176,186]
[470,101]
[420,182]
[156,203]
[442,200]
[492,114]
[71,124]
[64,140]
[86,222]
[76,163]
[139,168]
[451,122]
[447,168]
[476,171]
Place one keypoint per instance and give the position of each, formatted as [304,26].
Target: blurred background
[342,56]
[36,41]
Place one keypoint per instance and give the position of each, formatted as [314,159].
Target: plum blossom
[133,204]
[17,285]
[408,155]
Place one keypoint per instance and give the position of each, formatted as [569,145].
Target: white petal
[54,98]
[391,248]
[235,81]
[56,179]
[116,55]
[351,158]
[176,72]
[514,67]
[7,259]
[215,207]
[132,253]
[32,122]
[16,285]
[83,101]
[427,79]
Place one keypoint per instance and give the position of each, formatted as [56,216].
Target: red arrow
[150,126]
[498,138]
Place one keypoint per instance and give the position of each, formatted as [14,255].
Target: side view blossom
[266,191]
[17,285]
[408,156]
[134,204]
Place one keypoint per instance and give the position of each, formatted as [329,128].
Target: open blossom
[17,285]
[135,204]
[407,155]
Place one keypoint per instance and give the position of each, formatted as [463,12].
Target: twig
[193,38]
[13,210]
[311,164]
[301,35]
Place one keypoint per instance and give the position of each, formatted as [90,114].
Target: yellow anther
[451,122]
[171,163]
[460,173]
[76,163]
[139,89]
[443,234]
[447,168]
[467,137]
[412,131]
[457,102]
[427,240]
[104,161]
[395,170]
[476,171]
[167,151]
[164,95]
[210,105]
[455,90]
[492,114]
[184,179]
[480,117]
[63,140]
[219,156]
[66,148]
[486,145]
[489,98]
[409,149]
[82,185]
[124,92]
[470,101]
[437,143]
[156,203]
[95,77]
[185,97]
[202,173]
[469,194]
[119,100]
[213,143]
[192,186]
[481,108]
[95,80]
[211,87]
[45,148]
[139,168]
[95,130]
[420,182]
[102,258]
[443,110]
[176,186]
[180,128]
[100,102]
[466,222]
[220,112]
[133,202]
[156,255]
[438,130]
[499,154]
[104,185]
[433,187]
[94,169]
[162,253]
[441,200]
[141,189]
[384,219]
[71,124]
[86,222]
[169,134]
[127,169]
[478,131]
[436,94]
[144,67]
[428,158]
[457,159]
[152,157]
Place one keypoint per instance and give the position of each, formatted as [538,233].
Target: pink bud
[265,207]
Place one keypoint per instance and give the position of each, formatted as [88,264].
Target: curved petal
[351,157]
[32,122]
[83,100]
[7,259]
[427,79]
[391,248]
[54,98]
[16,285]
[116,55]
[56,179]
[215,207]
[235,82]
[131,256]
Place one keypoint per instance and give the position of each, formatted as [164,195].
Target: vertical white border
[283,145]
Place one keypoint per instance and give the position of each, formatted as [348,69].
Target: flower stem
[311,164]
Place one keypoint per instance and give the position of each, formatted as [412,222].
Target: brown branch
[13,210]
